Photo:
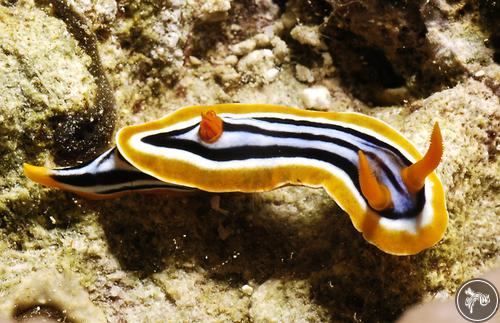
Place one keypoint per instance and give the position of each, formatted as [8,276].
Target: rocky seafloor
[73,72]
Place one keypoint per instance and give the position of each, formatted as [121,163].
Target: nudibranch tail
[211,126]
[414,176]
[377,194]
[47,177]
[40,175]
[107,176]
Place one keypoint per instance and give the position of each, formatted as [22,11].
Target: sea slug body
[389,190]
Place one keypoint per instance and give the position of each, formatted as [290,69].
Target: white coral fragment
[317,97]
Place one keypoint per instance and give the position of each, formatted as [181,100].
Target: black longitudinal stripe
[268,152]
[228,127]
[363,136]
[111,177]
[146,187]
[377,142]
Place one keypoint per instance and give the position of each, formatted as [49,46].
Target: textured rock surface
[285,255]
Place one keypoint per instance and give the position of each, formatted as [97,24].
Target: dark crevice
[490,11]
[41,313]
[82,135]
[365,70]
[382,52]
[282,4]
[8,3]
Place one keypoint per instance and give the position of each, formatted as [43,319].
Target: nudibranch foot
[107,176]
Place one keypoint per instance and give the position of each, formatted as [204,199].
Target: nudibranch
[389,190]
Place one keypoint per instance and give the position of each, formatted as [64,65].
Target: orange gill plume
[211,126]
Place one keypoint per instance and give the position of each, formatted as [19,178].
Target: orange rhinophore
[211,127]
[414,176]
[377,194]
